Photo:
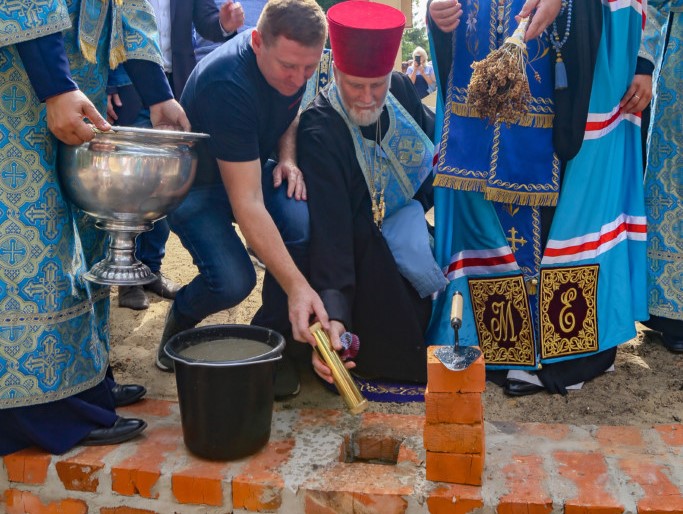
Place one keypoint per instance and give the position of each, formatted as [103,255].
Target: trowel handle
[456,310]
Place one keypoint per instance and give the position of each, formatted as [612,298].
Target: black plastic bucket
[226,407]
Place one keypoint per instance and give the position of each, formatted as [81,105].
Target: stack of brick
[454,424]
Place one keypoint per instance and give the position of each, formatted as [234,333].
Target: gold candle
[342,378]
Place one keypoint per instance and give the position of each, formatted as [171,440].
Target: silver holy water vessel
[127,179]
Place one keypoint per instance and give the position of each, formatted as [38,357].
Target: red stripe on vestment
[593,245]
[599,128]
[485,261]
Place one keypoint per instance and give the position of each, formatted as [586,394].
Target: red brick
[334,502]
[672,435]
[525,508]
[81,472]
[660,496]
[552,431]
[452,438]
[373,446]
[588,472]
[27,466]
[382,489]
[464,408]
[454,468]
[23,502]
[259,486]
[380,436]
[125,510]
[620,439]
[454,499]
[524,479]
[440,379]
[139,473]
[200,483]
[398,425]
[407,455]
[360,477]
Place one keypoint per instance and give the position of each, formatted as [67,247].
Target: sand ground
[645,388]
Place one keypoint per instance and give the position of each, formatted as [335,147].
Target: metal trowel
[457,358]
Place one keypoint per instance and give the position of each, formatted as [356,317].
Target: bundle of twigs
[499,87]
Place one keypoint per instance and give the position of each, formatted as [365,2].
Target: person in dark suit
[212,23]
[175,19]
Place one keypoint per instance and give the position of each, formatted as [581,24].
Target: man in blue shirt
[175,20]
[255,84]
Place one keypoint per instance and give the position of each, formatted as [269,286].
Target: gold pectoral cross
[378,209]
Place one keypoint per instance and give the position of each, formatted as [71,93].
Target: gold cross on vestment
[513,240]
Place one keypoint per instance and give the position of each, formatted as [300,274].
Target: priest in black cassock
[365,147]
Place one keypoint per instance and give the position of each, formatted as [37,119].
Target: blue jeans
[150,247]
[203,222]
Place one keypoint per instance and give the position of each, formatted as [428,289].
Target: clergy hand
[113,101]
[169,115]
[304,304]
[231,16]
[446,14]
[638,95]
[319,366]
[544,13]
[289,171]
[65,113]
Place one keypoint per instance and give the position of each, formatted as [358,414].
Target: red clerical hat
[365,37]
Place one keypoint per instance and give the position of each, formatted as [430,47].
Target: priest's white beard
[364,117]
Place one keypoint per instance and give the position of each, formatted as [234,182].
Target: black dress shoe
[163,286]
[133,297]
[124,429]
[127,394]
[672,343]
[515,387]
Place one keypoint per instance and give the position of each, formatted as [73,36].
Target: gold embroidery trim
[494,194]
[503,320]
[525,120]
[568,311]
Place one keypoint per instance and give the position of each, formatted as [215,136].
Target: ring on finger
[636,96]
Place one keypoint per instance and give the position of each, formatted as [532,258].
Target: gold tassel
[536,120]
[521,197]
[464,110]
[88,51]
[459,183]
[525,120]
[116,56]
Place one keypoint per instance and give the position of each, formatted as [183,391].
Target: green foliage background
[326,4]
